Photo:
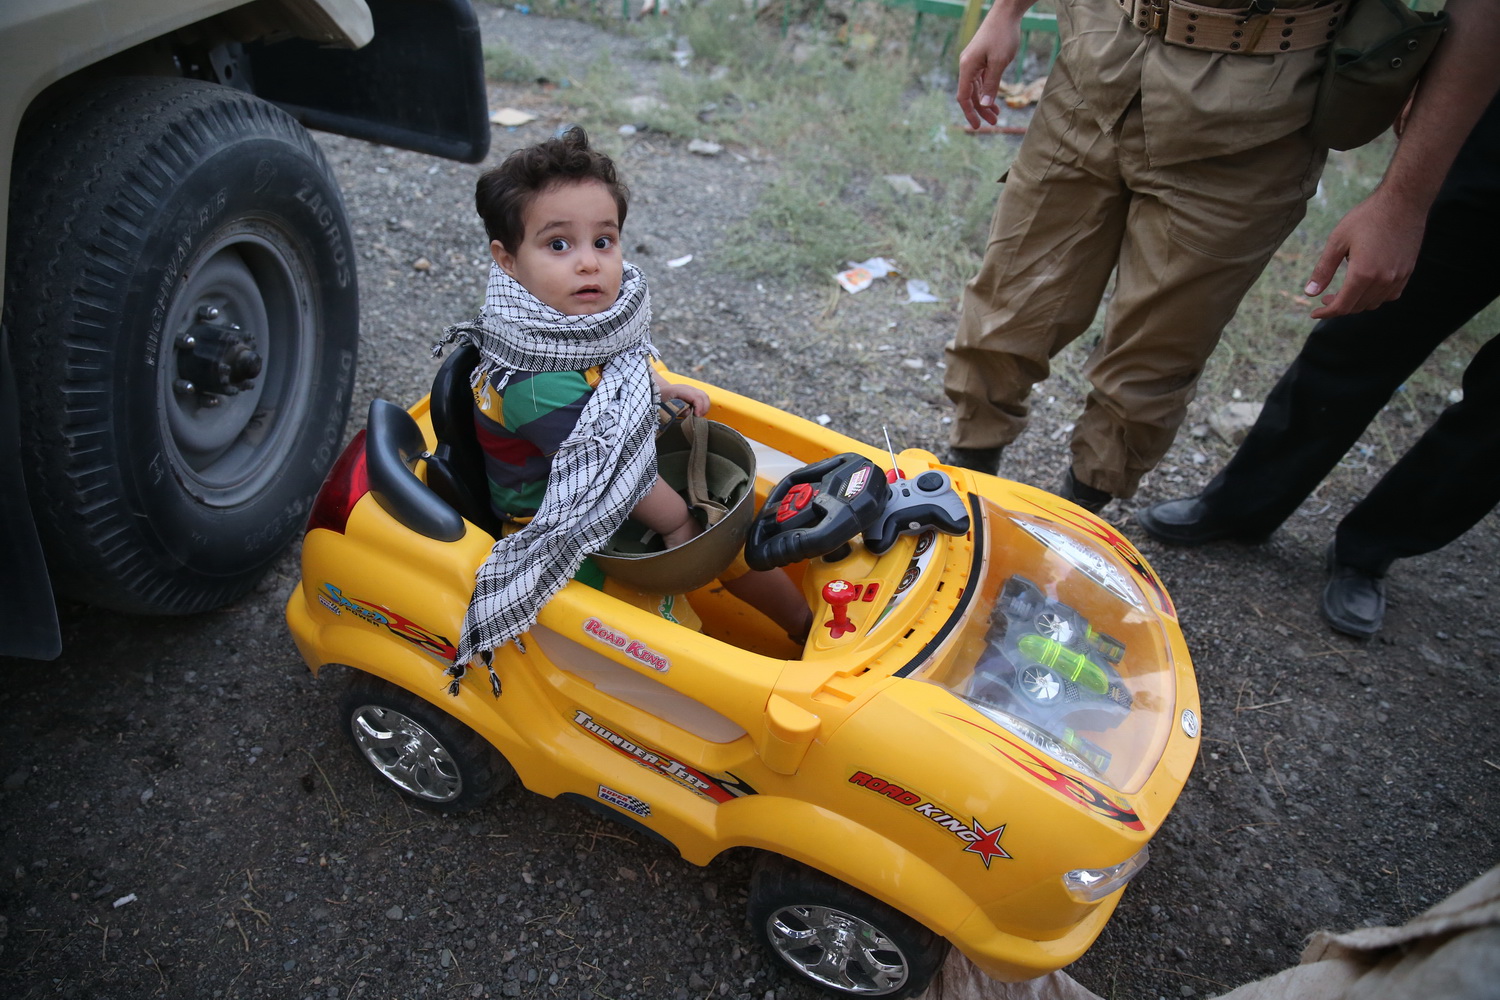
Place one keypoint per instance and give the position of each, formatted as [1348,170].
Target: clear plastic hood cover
[1064,651]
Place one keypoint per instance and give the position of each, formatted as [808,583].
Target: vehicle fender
[422,88]
[855,854]
[359,646]
[346,22]
[371,649]
[363,648]
[43,41]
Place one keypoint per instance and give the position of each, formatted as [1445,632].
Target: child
[565,394]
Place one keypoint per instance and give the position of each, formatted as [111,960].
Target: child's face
[570,256]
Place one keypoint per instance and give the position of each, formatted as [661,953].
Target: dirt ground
[182,818]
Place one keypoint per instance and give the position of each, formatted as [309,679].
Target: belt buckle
[1151,16]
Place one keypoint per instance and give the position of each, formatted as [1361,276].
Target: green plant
[505,64]
[798,233]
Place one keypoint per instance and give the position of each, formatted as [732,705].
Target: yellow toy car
[992,716]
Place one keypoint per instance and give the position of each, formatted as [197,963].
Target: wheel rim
[408,755]
[837,949]
[235,362]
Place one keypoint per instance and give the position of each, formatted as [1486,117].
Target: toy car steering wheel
[815,510]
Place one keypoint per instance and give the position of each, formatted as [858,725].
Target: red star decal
[988,844]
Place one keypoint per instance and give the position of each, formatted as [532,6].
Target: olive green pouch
[1377,54]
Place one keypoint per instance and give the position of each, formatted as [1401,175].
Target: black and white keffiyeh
[600,472]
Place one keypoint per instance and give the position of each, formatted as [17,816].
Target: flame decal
[1068,785]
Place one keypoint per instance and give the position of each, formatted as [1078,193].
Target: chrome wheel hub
[838,950]
[406,753]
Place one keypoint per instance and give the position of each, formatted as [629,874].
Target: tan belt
[1258,30]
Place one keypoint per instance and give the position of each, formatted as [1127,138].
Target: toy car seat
[455,469]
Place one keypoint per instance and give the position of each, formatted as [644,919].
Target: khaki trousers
[1188,241]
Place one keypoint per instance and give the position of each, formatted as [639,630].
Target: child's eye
[558,245]
[604,243]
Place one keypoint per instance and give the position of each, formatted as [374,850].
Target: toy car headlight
[1088,885]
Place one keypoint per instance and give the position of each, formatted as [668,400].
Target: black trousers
[1350,367]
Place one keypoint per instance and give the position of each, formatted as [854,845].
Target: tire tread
[122,146]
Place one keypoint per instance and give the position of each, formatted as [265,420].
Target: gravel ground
[181,817]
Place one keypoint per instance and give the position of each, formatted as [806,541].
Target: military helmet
[713,467]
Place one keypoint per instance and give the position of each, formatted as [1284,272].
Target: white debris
[905,184]
[919,291]
[860,276]
[512,117]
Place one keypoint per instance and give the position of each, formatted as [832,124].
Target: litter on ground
[512,117]
[919,291]
[860,276]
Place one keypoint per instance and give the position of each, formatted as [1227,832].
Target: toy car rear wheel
[423,751]
[843,940]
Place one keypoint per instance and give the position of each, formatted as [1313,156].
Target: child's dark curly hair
[502,195]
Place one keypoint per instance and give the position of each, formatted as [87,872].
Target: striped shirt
[521,426]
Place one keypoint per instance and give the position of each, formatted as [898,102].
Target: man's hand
[1381,235]
[1379,238]
[984,59]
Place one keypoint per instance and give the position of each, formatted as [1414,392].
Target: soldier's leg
[1197,237]
[1053,242]
[1347,370]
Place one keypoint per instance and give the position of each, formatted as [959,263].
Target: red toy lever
[795,501]
[839,594]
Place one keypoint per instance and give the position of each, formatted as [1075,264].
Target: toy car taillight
[347,481]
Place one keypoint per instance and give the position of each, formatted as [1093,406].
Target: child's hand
[694,397]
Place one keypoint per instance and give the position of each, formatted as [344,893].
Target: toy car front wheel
[844,941]
[426,753]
